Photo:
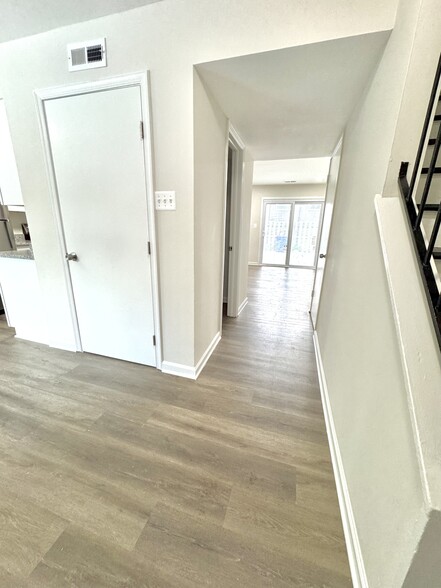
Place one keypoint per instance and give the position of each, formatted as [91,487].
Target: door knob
[71,257]
[322,255]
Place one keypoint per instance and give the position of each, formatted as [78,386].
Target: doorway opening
[233,225]
[227,247]
[290,232]
[287,212]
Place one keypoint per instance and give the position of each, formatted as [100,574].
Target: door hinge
[141,129]
[149,248]
[154,340]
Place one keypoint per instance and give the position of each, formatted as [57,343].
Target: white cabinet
[9,181]
[22,298]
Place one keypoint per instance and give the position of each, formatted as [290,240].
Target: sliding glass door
[275,233]
[290,233]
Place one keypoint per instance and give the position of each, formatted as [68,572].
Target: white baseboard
[63,346]
[242,306]
[30,337]
[207,354]
[254,263]
[187,371]
[179,369]
[355,556]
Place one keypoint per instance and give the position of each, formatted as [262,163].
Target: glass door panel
[276,233]
[304,233]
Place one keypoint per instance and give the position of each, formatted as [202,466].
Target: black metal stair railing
[427,120]
[426,246]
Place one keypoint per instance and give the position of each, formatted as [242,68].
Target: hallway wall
[167,38]
[210,144]
[357,334]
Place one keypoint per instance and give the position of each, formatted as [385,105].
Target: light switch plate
[165,200]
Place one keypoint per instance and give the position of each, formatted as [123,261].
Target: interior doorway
[227,248]
[233,225]
[290,232]
[331,189]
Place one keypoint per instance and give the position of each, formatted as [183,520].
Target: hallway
[113,474]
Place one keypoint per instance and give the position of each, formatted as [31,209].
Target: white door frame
[140,80]
[338,147]
[237,146]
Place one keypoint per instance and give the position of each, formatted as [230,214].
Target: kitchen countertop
[22,253]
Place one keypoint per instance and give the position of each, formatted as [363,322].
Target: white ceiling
[295,102]
[21,18]
[299,171]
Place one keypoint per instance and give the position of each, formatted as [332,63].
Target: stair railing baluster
[429,178]
[433,97]
[433,237]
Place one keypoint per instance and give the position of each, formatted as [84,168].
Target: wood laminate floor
[115,475]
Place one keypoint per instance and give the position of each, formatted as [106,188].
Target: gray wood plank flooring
[115,475]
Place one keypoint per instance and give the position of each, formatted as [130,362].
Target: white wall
[297,191]
[210,149]
[425,569]
[167,38]
[357,334]
[426,565]
[10,190]
[425,56]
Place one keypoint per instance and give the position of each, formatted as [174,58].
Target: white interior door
[325,231]
[98,158]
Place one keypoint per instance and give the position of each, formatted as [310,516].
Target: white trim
[55,344]
[242,305]
[187,371]
[135,79]
[235,136]
[24,337]
[235,238]
[355,556]
[314,294]
[254,263]
[179,369]
[151,215]
[207,354]
[224,233]
[337,147]
[140,79]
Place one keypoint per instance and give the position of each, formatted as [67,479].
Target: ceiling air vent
[87,54]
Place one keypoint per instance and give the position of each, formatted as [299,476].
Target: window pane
[304,233]
[276,229]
